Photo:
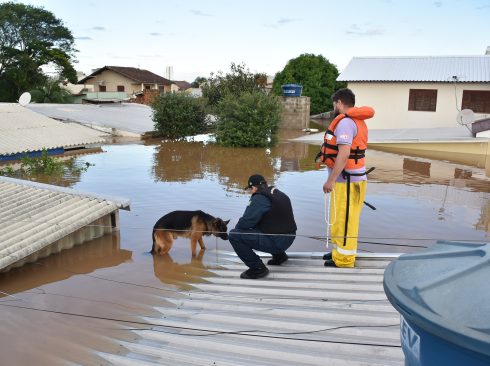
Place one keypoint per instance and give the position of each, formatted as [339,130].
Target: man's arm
[257,208]
[340,163]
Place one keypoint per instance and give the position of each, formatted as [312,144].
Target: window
[102,88]
[120,88]
[476,100]
[422,100]
[147,87]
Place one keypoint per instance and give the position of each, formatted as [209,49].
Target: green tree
[317,76]
[31,37]
[198,81]
[249,120]
[177,115]
[234,83]
[51,92]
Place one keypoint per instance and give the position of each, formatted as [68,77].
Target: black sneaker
[254,273]
[278,259]
[327,256]
[330,263]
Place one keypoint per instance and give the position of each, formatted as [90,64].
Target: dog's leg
[195,237]
[201,243]
[163,242]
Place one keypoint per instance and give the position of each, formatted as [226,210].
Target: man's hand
[328,186]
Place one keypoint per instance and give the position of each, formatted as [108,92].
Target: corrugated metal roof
[301,314]
[35,215]
[22,130]
[466,69]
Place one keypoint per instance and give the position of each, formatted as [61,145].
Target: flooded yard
[68,306]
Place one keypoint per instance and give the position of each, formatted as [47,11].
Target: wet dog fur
[188,224]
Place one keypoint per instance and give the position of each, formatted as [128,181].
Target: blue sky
[198,37]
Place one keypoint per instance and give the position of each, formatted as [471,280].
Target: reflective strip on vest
[344,251]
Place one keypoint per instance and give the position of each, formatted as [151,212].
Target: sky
[197,37]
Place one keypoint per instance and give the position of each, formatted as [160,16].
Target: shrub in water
[250,120]
[177,115]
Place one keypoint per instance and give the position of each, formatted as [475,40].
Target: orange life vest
[329,149]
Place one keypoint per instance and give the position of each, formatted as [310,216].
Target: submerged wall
[296,112]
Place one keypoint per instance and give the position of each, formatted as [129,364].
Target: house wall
[111,81]
[390,101]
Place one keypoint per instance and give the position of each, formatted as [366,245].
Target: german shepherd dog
[188,224]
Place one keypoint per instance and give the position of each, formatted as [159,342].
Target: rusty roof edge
[121,203]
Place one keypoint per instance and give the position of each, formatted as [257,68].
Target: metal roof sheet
[301,314]
[466,69]
[34,215]
[22,130]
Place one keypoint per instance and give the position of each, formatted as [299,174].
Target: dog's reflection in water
[171,272]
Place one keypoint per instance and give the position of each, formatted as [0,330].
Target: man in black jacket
[268,212]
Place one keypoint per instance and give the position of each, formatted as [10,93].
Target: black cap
[255,180]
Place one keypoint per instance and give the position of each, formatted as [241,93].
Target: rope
[327,213]
[314,237]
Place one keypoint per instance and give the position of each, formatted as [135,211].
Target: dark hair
[346,96]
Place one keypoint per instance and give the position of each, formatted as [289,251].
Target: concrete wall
[390,101]
[296,112]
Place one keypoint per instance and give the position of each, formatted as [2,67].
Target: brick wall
[147,96]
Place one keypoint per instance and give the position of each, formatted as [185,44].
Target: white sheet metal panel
[467,69]
[301,314]
[22,130]
[34,215]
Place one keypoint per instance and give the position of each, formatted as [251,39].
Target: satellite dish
[465,117]
[25,99]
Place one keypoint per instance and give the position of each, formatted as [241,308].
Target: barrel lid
[292,86]
[445,290]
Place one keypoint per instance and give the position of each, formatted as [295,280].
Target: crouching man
[269,212]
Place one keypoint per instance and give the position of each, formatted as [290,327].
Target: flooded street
[81,295]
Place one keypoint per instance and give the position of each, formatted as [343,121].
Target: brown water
[418,201]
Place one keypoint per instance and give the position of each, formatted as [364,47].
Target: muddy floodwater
[66,308]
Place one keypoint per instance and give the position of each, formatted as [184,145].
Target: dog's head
[220,229]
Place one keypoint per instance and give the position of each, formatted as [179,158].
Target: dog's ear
[226,222]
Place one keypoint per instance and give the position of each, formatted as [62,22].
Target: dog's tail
[152,251]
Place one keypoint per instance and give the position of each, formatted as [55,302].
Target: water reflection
[180,161]
[172,272]
[86,258]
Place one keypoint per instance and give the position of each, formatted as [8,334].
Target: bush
[239,80]
[249,120]
[177,115]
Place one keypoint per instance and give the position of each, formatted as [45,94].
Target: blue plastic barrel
[443,296]
[291,90]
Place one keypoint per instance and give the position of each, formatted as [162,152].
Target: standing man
[343,152]
[269,211]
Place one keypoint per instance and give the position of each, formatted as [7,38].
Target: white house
[420,92]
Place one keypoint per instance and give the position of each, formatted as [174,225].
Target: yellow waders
[344,234]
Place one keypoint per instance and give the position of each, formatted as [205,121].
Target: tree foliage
[249,120]
[239,80]
[177,115]
[198,81]
[31,37]
[317,76]
[51,92]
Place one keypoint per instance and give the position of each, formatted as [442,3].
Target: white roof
[22,130]
[302,313]
[35,215]
[466,69]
